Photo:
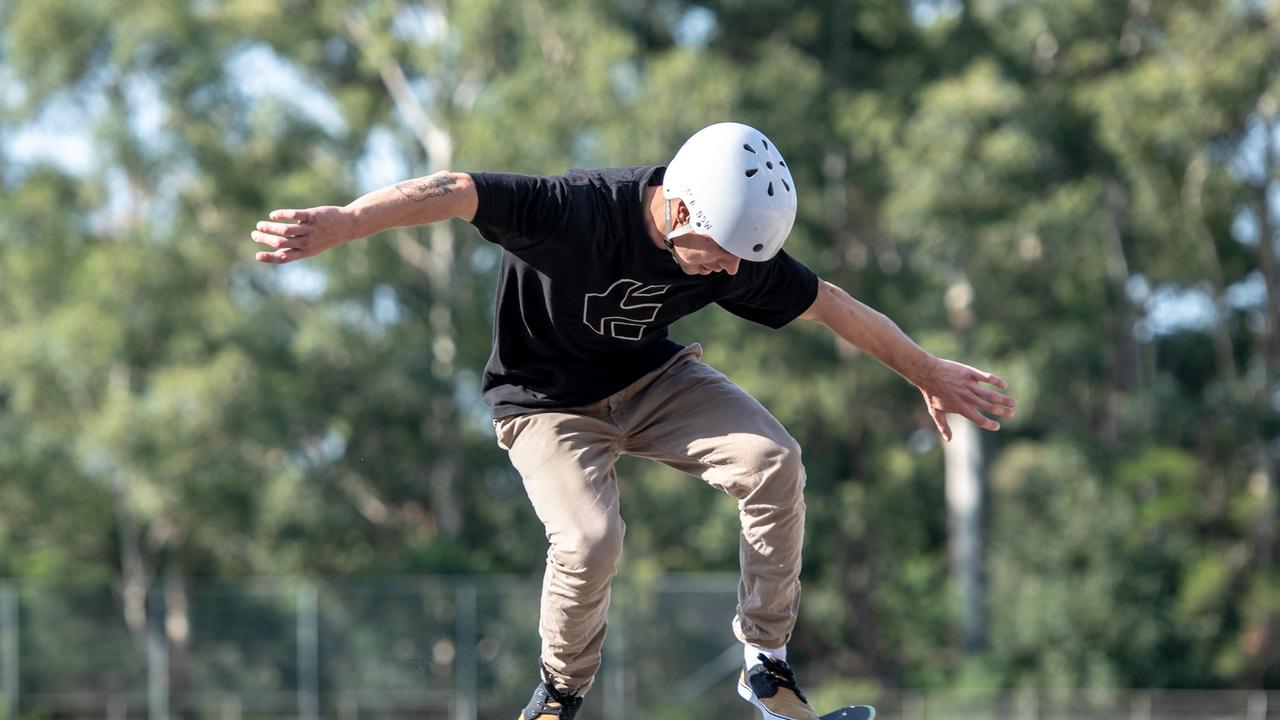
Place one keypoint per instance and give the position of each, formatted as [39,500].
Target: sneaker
[771,686]
[548,703]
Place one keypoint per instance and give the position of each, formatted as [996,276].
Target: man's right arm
[296,234]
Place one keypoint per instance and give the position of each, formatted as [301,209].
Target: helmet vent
[765,143]
[782,162]
[770,189]
[758,247]
[785,185]
[752,172]
[748,148]
[768,164]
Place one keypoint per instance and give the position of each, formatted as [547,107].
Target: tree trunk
[1126,367]
[1267,482]
[177,633]
[436,262]
[133,573]
[1193,214]
[963,457]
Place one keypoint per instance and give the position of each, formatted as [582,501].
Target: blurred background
[230,490]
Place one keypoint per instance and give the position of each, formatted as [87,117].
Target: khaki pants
[692,418]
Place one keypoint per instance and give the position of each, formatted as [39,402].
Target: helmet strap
[666,230]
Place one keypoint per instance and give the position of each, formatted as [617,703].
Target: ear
[681,215]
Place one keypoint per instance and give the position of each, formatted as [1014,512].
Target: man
[596,265]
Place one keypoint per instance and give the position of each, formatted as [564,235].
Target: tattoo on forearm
[424,188]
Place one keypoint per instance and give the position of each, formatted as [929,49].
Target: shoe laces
[780,674]
[566,700]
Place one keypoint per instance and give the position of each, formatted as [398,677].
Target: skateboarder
[595,266]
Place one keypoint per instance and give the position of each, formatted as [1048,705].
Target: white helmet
[737,187]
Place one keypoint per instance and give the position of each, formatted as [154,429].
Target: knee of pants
[589,547]
[776,463]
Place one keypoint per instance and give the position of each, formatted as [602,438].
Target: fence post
[1142,707]
[308,615]
[615,650]
[464,705]
[157,657]
[9,649]
[1258,705]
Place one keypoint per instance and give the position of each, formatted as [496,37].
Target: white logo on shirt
[620,312]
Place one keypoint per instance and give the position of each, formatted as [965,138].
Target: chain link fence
[433,648]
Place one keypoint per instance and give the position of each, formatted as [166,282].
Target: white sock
[751,653]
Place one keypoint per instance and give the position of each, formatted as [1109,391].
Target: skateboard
[853,712]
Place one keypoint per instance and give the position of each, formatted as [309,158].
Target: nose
[730,264]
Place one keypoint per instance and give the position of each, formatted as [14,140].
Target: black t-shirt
[585,297]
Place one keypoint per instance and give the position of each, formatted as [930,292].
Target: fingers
[990,401]
[301,216]
[994,403]
[290,236]
[965,393]
[279,257]
[280,235]
[283,229]
[277,242]
[995,398]
[979,401]
[968,408]
[980,420]
[991,379]
[944,426]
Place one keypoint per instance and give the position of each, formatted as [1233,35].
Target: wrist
[354,220]
[924,369]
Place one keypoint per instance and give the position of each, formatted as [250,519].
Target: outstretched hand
[297,234]
[953,387]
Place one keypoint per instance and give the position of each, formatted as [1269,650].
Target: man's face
[700,255]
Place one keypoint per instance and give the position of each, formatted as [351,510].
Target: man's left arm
[947,386]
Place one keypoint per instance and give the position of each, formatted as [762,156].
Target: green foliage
[1017,184]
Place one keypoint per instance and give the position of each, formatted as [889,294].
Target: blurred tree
[1025,186]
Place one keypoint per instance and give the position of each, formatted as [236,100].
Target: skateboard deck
[853,712]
